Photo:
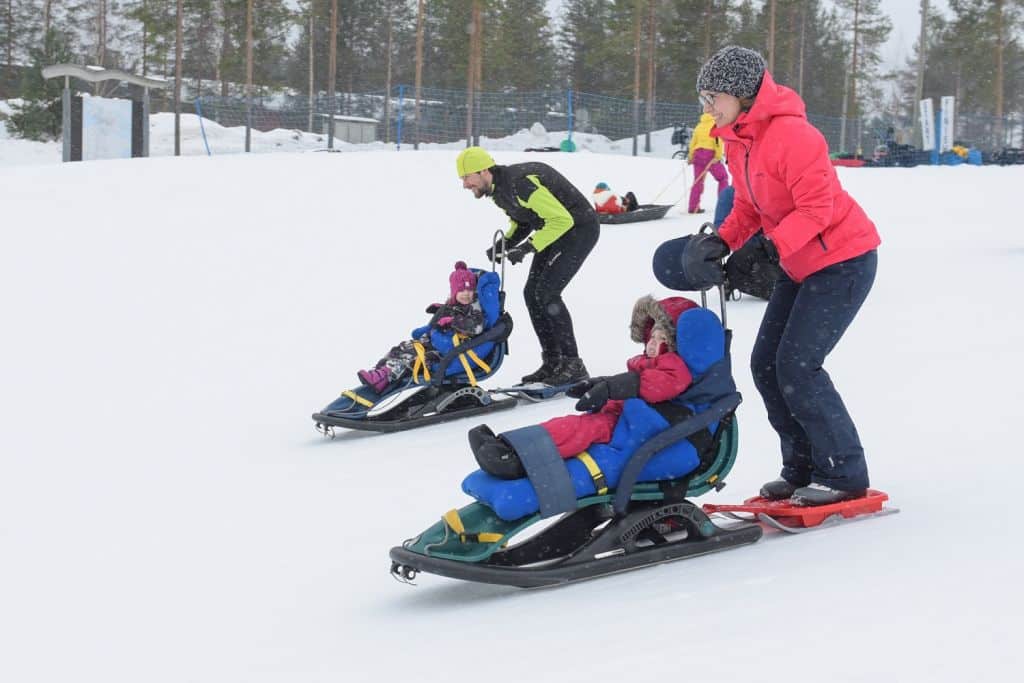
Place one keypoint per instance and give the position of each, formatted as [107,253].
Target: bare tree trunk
[922,54]
[708,10]
[651,37]
[46,17]
[471,70]
[771,36]
[10,32]
[803,36]
[851,102]
[1000,65]
[312,82]
[419,70]
[225,49]
[637,20]
[332,73]
[101,42]
[387,79]
[177,77]
[248,75]
[478,80]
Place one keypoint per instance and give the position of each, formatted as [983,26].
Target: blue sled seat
[644,447]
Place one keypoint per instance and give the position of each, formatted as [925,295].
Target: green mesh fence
[444,117]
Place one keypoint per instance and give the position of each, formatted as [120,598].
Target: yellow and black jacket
[539,201]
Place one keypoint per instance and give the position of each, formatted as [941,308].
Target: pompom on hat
[733,70]
[462,278]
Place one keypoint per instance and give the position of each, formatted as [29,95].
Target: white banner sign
[106,128]
[946,120]
[927,125]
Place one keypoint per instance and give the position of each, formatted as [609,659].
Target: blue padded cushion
[700,339]
[512,499]
[488,288]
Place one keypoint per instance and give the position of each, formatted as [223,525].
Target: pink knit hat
[461,278]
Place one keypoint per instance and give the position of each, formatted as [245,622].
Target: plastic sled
[644,212]
[610,514]
[785,516]
[448,390]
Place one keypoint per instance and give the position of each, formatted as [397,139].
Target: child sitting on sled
[657,375]
[605,201]
[461,315]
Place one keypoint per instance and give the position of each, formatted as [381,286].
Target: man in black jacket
[551,219]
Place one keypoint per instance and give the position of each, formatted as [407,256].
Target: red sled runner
[785,516]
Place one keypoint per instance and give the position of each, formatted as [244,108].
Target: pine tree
[38,117]
[519,50]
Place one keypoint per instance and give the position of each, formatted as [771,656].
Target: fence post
[569,101]
[202,128]
[248,120]
[398,123]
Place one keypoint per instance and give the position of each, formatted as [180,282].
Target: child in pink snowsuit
[705,150]
[658,374]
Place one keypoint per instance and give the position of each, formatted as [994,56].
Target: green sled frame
[659,525]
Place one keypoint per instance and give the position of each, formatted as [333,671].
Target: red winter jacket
[786,183]
[661,378]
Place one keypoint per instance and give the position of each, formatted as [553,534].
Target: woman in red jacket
[825,243]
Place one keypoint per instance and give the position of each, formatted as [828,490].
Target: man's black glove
[517,253]
[494,253]
[433,308]
[616,388]
[771,254]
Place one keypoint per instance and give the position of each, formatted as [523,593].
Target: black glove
[494,253]
[583,386]
[771,254]
[714,247]
[433,308]
[517,253]
[616,387]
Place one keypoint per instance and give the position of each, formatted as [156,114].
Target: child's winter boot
[494,455]
[377,379]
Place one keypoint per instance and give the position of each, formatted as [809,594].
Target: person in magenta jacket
[826,245]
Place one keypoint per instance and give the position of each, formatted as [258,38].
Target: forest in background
[646,50]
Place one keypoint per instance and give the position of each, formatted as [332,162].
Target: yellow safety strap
[452,519]
[420,364]
[457,339]
[595,473]
[348,393]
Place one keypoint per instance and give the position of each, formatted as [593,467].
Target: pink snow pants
[701,159]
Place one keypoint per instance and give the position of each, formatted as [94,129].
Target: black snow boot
[819,494]
[494,455]
[569,371]
[778,489]
[551,362]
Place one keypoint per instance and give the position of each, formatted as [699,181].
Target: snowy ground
[168,514]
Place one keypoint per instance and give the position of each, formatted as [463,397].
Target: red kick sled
[784,516]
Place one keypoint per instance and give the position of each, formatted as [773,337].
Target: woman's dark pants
[801,326]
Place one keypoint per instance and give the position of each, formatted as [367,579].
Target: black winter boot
[569,371]
[819,494]
[778,489]
[551,362]
[494,455]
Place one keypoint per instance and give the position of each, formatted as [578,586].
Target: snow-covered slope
[167,512]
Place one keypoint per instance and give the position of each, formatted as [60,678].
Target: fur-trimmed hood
[650,314]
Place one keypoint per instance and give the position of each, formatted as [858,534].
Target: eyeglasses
[707,99]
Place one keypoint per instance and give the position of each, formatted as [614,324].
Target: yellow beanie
[472,160]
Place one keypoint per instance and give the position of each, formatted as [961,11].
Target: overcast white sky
[906,22]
